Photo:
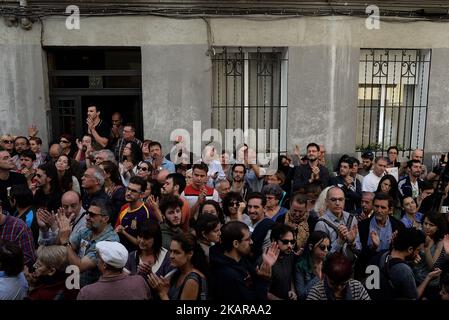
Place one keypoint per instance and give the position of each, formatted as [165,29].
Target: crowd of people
[134,223]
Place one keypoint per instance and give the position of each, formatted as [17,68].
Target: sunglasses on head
[285,241]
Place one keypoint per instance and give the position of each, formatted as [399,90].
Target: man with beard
[409,186]
[8,178]
[170,206]
[175,185]
[375,233]
[351,187]
[27,161]
[367,163]
[281,284]
[20,145]
[238,183]
[396,277]
[260,223]
[313,172]
[133,213]
[81,249]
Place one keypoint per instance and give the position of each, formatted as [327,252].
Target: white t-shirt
[371,182]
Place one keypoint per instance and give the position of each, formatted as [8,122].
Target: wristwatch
[67,243]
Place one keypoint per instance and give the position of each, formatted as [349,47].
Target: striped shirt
[15,230]
[357,291]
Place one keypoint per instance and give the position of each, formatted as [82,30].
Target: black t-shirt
[103,131]
[14,179]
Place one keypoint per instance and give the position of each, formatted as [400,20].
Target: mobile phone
[444,209]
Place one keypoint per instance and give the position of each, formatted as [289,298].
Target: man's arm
[100,140]
[83,264]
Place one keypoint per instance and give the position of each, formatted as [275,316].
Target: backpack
[387,290]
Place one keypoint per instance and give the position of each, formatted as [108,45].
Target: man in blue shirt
[375,233]
[158,161]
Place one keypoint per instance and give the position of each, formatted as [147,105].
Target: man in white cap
[114,284]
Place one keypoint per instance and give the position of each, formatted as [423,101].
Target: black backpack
[387,290]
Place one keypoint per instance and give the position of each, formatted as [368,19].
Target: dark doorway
[108,77]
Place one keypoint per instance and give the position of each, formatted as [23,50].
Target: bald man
[71,206]
[417,154]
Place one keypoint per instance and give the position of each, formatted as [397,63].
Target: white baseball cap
[112,253]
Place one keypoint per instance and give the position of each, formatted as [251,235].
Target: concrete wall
[323,70]
[176,86]
[23,94]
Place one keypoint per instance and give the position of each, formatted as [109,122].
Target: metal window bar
[393,95]
[252,77]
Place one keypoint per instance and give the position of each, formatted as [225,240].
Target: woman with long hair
[211,207]
[207,230]
[434,227]
[45,187]
[309,267]
[132,156]
[113,186]
[233,207]
[67,181]
[150,256]
[189,281]
[388,184]
[411,217]
[146,150]
[273,209]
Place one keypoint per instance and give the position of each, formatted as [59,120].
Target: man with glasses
[129,135]
[281,284]
[376,232]
[81,249]
[8,178]
[133,213]
[339,225]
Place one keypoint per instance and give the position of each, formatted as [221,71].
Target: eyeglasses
[93,214]
[336,199]
[132,190]
[142,168]
[285,241]
[324,247]
[234,204]
[63,141]
[8,141]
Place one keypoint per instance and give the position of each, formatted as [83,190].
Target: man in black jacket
[234,277]
[375,234]
[352,188]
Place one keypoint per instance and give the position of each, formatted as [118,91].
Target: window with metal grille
[392,99]
[250,93]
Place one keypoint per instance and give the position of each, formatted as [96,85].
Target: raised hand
[159,284]
[65,229]
[32,130]
[79,144]
[350,237]
[144,268]
[435,273]
[297,150]
[271,255]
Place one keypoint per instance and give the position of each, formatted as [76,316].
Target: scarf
[301,227]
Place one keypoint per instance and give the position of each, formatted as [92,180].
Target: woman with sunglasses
[233,207]
[7,142]
[143,169]
[309,267]
[65,141]
[113,186]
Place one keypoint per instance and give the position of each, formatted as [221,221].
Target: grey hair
[273,189]
[109,155]
[98,174]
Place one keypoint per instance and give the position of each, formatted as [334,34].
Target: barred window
[250,92]
[392,99]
